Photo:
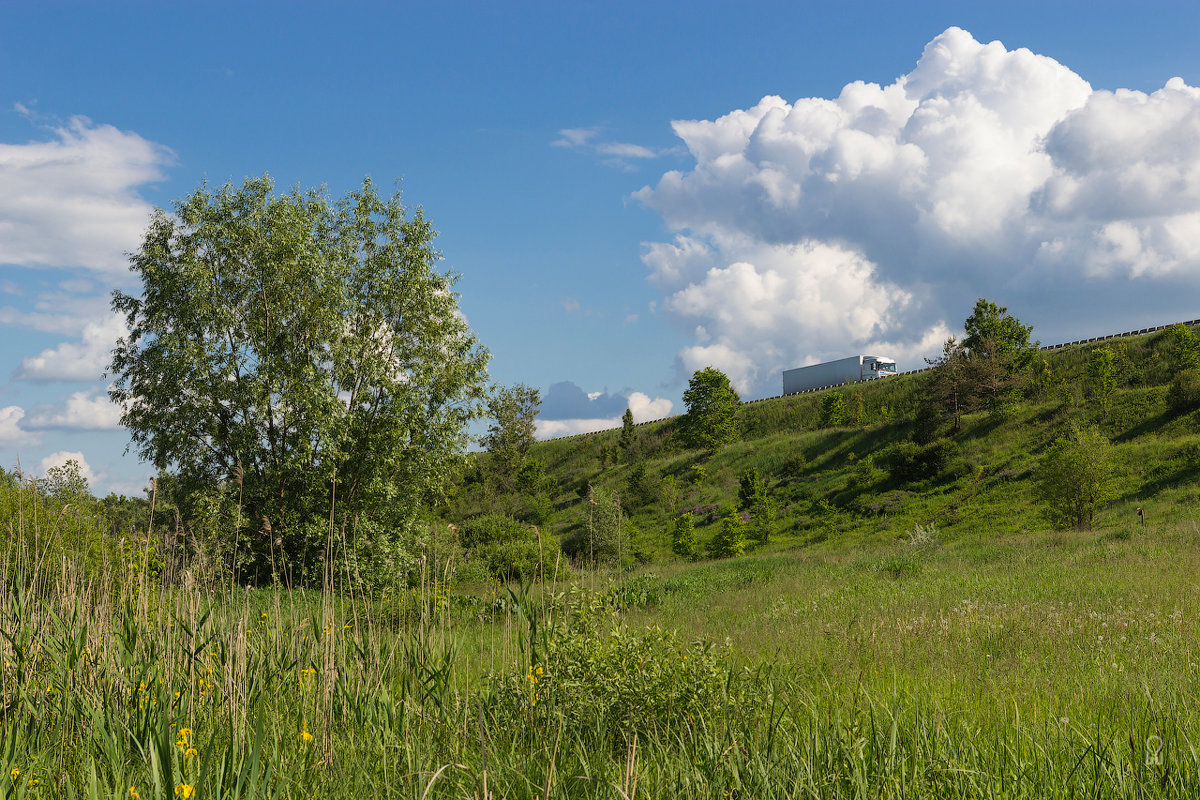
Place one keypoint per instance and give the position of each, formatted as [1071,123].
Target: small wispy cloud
[571,305]
[614,154]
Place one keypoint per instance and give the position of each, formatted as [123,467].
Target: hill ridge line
[1152,329]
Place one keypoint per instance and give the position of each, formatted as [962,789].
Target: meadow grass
[1044,665]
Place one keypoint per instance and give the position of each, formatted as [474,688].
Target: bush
[1184,394]
[491,528]
[1075,477]
[683,539]
[508,548]
[914,462]
[731,539]
[833,409]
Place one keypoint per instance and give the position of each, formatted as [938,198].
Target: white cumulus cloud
[83,360]
[823,227]
[61,458]
[82,411]
[72,201]
[12,435]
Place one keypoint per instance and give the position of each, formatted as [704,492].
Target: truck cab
[877,367]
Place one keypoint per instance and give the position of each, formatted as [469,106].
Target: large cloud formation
[72,201]
[825,227]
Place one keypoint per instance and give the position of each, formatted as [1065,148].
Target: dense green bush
[914,462]
[1076,477]
[509,548]
[1184,394]
[730,540]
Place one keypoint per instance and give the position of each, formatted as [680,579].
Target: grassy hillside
[847,481]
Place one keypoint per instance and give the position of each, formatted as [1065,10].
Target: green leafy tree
[1184,347]
[991,332]
[754,499]
[1184,393]
[608,531]
[833,409]
[640,488]
[712,409]
[670,492]
[730,540]
[1076,477]
[536,490]
[858,414]
[1103,376]
[66,482]
[626,441]
[951,386]
[513,411]
[683,538]
[298,357]
[998,356]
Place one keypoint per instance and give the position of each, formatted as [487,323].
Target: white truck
[832,373]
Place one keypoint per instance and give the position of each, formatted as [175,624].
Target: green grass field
[1060,665]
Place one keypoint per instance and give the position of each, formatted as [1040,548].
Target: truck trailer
[832,373]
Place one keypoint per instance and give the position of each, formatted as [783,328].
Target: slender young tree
[514,411]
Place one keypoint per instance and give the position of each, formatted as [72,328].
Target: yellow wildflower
[133,794]
[16,773]
[305,736]
[185,790]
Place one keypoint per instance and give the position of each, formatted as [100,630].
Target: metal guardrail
[1153,329]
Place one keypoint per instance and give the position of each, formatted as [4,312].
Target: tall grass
[1061,666]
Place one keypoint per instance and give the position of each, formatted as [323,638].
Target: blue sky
[606,245]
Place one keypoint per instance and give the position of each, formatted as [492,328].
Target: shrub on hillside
[1184,394]
[730,540]
[914,462]
[1076,477]
[683,538]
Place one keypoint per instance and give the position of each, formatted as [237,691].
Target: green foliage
[626,440]
[730,540]
[608,532]
[683,537]
[754,500]
[988,368]
[1075,477]
[641,489]
[865,473]
[858,410]
[65,483]
[509,437]
[914,462]
[833,409]
[509,549]
[712,410]
[698,474]
[535,489]
[1104,375]
[669,487]
[1184,347]
[1184,394]
[299,356]
[952,388]
[991,331]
